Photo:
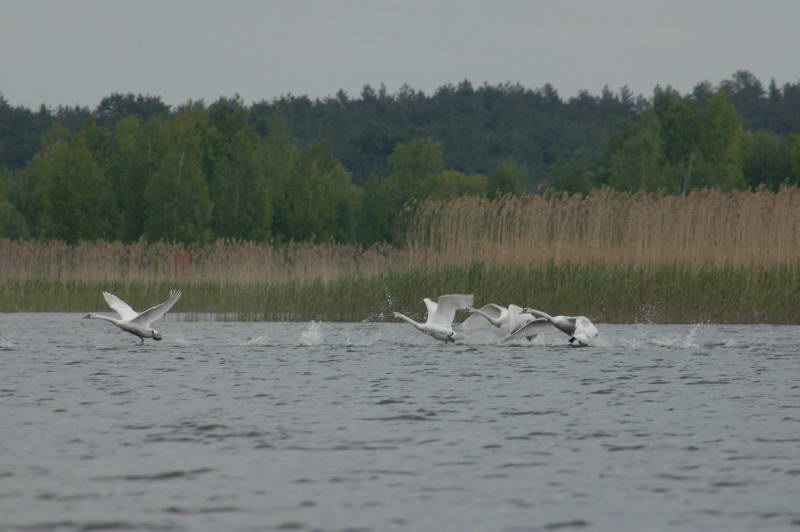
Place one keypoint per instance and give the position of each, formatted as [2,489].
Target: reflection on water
[320,426]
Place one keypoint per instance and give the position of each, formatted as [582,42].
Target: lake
[244,426]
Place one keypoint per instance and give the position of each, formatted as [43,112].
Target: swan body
[439,322]
[579,328]
[135,323]
[507,319]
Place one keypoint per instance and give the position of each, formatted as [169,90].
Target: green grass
[605,293]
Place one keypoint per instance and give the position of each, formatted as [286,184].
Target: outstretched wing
[447,307]
[476,320]
[526,330]
[154,314]
[120,307]
[431,306]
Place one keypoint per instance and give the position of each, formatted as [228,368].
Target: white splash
[690,337]
[313,335]
[5,343]
[261,339]
[364,334]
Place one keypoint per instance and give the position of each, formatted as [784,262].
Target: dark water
[273,426]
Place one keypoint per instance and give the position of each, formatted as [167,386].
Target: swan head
[451,337]
[157,335]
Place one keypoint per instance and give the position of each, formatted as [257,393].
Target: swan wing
[514,309]
[476,320]
[431,306]
[447,307]
[154,314]
[527,329]
[124,310]
[584,328]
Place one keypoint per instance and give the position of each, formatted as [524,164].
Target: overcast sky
[67,52]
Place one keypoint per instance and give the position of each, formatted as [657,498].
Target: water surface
[309,426]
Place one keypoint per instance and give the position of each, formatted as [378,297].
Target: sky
[76,52]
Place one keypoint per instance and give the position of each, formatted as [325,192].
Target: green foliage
[67,195]
[415,165]
[676,146]
[12,224]
[177,198]
[452,184]
[767,160]
[508,178]
[573,175]
[350,169]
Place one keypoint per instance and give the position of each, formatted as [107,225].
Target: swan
[579,328]
[133,322]
[507,319]
[439,322]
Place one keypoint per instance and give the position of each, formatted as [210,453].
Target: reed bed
[739,228]
[708,256]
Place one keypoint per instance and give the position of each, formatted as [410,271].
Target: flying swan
[131,321]
[579,328]
[439,322]
[506,319]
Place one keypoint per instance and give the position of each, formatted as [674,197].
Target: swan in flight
[579,328]
[133,322]
[439,323]
[506,319]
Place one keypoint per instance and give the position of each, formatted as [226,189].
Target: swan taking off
[439,322]
[579,328]
[506,319]
[133,322]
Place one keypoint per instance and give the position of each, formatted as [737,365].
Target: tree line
[347,169]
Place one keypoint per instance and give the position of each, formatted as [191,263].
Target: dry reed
[740,228]
[615,256]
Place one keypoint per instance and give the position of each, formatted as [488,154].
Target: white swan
[439,322]
[579,328]
[506,319]
[133,322]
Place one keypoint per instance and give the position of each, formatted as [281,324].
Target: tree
[508,177]
[414,165]
[235,171]
[69,195]
[721,146]
[573,175]
[12,224]
[639,162]
[766,160]
[139,148]
[452,184]
[178,203]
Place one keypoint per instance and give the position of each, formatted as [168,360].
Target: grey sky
[77,52]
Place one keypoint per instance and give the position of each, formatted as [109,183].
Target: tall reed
[615,256]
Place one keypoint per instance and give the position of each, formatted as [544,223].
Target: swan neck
[409,320]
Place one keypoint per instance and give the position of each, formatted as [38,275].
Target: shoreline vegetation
[709,256]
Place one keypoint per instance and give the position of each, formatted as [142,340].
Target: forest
[352,170]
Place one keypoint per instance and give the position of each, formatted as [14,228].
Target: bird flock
[513,322]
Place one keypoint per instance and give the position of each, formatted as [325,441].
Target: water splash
[6,344]
[312,335]
[178,338]
[261,339]
[690,337]
[365,334]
